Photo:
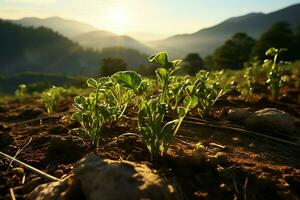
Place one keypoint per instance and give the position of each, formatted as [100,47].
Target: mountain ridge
[105,39]
[66,27]
[80,32]
[206,40]
[203,41]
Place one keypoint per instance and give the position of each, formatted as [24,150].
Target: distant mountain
[25,49]
[85,34]
[205,41]
[66,27]
[105,39]
[42,50]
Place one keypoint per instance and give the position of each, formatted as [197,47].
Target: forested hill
[43,50]
[205,41]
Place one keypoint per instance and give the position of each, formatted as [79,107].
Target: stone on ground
[98,179]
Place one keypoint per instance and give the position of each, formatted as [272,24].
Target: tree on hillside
[192,63]
[278,35]
[234,52]
[296,50]
[208,62]
[42,50]
[112,65]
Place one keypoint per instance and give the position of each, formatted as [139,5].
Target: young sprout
[155,130]
[165,73]
[275,71]
[20,92]
[245,86]
[51,98]
[208,89]
[106,104]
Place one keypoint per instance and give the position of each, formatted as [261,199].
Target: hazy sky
[156,16]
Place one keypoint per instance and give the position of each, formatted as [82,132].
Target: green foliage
[208,88]
[234,52]
[278,35]
[156,133]
[51,98]
[112,65]
[20,92]
[104,105]
[245,86]
[128,79]
[253,69]
[177,95]
[45,51]
[192,63]
[275,71]
[165,73]
[42,50]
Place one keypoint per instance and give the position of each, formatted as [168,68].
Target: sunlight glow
[118,19]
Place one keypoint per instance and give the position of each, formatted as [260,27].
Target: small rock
[238,114]
[49,191]
[66,148]
[272,120]
[114,180]
[18,170]
[108,180]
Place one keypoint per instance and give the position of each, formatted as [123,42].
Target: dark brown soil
[231,165]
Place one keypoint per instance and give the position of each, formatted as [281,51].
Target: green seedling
[245,86]
[177,92]
[165,74]
[275,70]
[156,132]
[106,104]
[208,89]
[51,98]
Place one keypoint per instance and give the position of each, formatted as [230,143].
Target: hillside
[65,27]
[105,39]
[42,50]
[205,41]
[85,34]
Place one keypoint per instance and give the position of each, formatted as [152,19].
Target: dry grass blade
[19,151]
[33,169]
[23,178]
[12,194]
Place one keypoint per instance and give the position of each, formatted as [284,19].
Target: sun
[118,19]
